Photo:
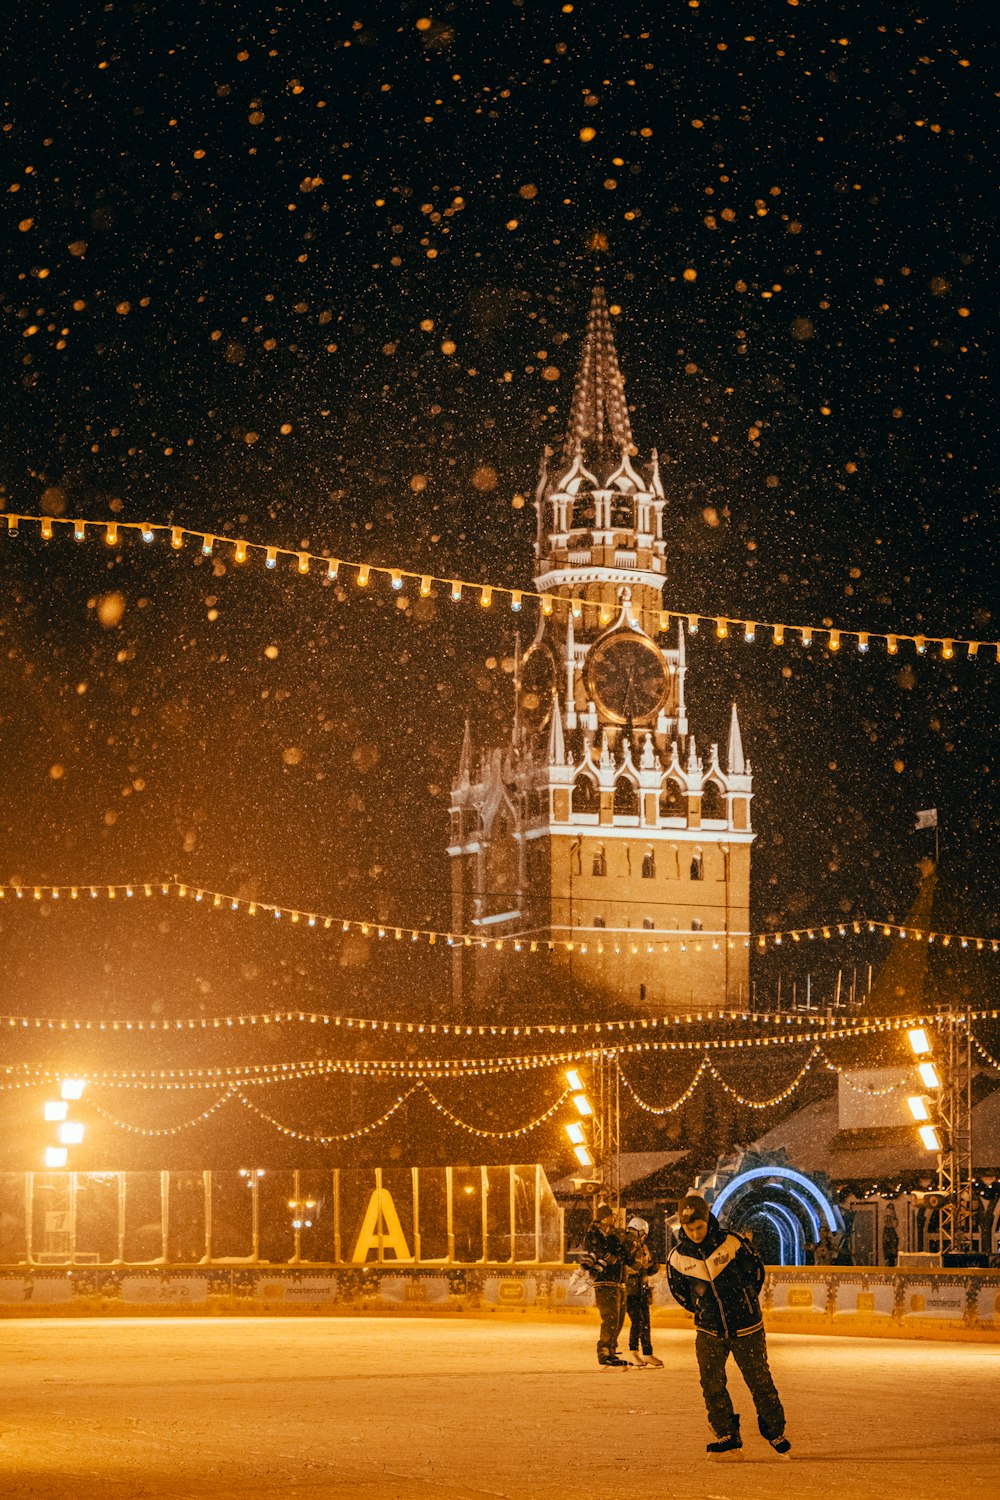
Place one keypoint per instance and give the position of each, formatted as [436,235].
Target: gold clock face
[538,680]
[627,678]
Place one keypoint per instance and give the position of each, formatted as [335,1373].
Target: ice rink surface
[435,1409]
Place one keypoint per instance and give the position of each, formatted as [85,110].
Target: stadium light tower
[943,1115]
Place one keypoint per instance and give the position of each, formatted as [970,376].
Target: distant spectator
[825,1249]
[890,1238]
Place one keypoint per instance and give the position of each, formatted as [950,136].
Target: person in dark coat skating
[717,1276]
[638,1295]
[606,1254]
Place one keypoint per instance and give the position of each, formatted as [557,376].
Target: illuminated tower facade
[605,852]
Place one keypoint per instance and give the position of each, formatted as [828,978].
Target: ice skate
[640,1361]
[612,1362]
[653,1362]
[727,1448]
[781,1446]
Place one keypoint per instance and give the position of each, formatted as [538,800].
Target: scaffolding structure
[607,1124]
[954,1110]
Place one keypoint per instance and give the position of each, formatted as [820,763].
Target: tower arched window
[713,801]
[599,865]
[626,798]
[583,516]
[647,923]
[586,797]
[697,867]
[672,800]
[622,513]
[649,865]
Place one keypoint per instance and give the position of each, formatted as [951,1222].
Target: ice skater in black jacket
[606,1254]
[717,1276]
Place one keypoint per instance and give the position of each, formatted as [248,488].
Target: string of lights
[328,1140]
[452,1067]
[362,574]
[986,1055]
[674,942]
[883,929]
[498,1135]
[666,1109]
[168,1130]
[859,1088]
[778,1098]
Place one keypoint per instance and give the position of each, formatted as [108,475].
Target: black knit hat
[691,1207]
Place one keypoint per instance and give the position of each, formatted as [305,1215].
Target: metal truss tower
[955,1158]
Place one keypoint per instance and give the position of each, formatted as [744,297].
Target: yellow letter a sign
[381,1229]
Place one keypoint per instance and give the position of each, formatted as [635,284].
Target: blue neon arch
[791,1241]
[785,1174]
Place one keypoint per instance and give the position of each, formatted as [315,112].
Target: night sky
[318,277]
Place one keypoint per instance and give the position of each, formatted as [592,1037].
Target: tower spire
[465,760]
[736,765]
[599,414]
[557,744]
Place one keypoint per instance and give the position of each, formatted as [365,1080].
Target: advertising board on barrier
[156,1289]
[414,1291]
[300,1289]
[571,1291]
[663,1297]
[945,1302]
[798,1297]
[54,1289]
[863,1300]
[509,1291]
[988,1306]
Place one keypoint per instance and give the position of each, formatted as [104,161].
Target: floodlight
[56,1109]
[55,1156]
[576,1134]
[583,1156]
[583,1104]
[919,1106]
[930,1137]
[574,1080]
[919,1041]
[72,1088]
[71,1133]
[929,1075]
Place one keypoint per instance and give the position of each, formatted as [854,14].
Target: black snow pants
[637,1307]
[610,1299]
[750,1354]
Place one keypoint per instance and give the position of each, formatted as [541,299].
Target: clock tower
[598,855]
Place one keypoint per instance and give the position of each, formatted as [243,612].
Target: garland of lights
[498,1135]
[778,1098]
[454,1067]
[329,1140]
[666,1109]
[347,1135]
[987,1057]
[171,1130]
[369,928]
[857,1088]
[426,583]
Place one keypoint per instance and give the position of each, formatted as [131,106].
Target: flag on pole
[926,818]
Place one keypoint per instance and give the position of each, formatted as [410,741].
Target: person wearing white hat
[638,1296]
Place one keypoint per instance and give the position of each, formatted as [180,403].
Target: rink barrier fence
[876,1302]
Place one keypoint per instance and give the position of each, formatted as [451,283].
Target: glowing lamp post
[69,1132]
